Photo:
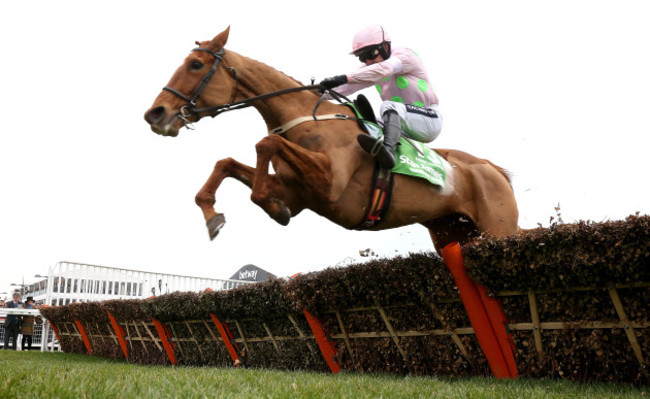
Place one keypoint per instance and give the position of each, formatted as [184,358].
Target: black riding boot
[383,149]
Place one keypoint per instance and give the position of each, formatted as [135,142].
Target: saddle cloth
[412,159]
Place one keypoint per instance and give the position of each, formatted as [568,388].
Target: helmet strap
[385,50]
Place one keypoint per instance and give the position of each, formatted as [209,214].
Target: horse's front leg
[301,174]
[205,198]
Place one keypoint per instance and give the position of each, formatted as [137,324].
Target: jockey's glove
[332,82]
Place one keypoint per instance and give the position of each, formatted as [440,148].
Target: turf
[61,375]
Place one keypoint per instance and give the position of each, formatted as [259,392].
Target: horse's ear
[220,40]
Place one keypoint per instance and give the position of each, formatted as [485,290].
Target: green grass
[61,375]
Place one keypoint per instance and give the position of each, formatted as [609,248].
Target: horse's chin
[165,131]
[170,129]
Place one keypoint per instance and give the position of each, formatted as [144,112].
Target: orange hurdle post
[56,332]
[166,344]
[499,323]
[327,348]
[119,331]
[227,338]
[84,337]
[478,316]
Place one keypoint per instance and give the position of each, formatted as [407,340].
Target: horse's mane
[296,81]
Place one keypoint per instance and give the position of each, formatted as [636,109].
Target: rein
[190,109]
[218,109]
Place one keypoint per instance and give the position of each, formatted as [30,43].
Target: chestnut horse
[319,164]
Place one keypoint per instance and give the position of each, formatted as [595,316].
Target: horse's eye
[196,65]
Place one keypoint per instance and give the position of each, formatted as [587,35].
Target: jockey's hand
[332,82]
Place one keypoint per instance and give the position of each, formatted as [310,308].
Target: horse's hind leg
[205,198]
[496,207]
[451,228]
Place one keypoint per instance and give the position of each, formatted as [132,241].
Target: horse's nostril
[155,115]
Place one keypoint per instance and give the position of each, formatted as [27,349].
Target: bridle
[190,109]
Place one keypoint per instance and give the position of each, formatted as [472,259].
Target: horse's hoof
[284,215]
[215,224]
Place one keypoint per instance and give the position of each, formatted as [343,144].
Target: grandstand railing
[50,344]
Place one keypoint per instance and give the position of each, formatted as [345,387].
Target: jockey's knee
[393,106]
[421,124]
[424,135]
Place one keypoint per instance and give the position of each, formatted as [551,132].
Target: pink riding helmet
[369,36]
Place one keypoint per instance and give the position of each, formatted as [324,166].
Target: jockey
[409,103]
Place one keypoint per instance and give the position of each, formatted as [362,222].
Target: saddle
[365,111]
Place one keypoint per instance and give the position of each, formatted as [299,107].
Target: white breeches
[419,123]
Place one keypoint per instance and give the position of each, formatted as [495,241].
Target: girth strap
[295,122]
[380,193]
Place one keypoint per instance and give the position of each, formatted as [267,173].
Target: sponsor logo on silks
[425,163]
[422,111]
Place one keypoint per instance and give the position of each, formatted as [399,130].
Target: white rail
[79,282]
[37,338]
[69,282]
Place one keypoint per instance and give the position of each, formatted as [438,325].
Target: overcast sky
[557,92]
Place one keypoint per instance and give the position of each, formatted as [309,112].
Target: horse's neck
[257,78]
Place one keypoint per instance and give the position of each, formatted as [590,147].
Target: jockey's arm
[368,75]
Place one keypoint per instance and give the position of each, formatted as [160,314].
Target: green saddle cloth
[413,158]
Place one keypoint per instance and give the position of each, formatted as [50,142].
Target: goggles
[368,53]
